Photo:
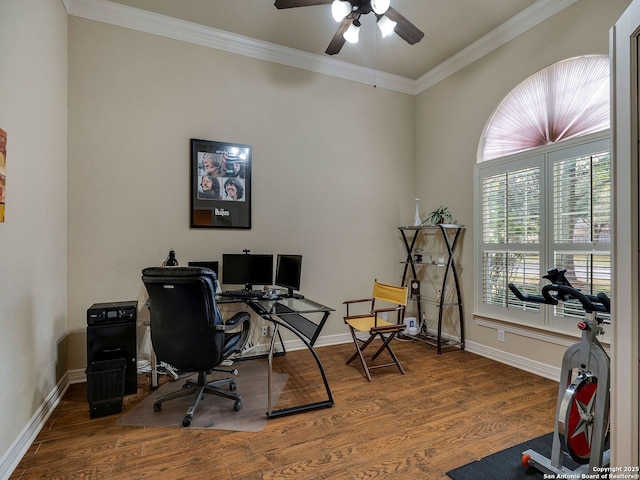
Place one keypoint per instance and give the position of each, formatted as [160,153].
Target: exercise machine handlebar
[563,292]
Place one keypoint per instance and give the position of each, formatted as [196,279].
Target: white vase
[416,218]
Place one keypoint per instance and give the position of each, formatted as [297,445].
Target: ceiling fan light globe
[380,6]
[352,34]
[340,9]
[386,26]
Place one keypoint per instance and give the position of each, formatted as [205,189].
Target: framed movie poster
[220,184]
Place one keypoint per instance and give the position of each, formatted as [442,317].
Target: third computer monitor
[288,273]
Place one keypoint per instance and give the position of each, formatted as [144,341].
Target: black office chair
[188,332]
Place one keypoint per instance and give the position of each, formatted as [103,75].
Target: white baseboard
[21,444]
[551,372]
[23,441]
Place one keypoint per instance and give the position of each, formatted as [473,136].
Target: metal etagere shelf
[436,293]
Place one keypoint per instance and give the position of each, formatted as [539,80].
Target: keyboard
[248,294]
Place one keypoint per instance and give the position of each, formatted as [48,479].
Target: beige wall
[451,117]
[336,168]
[333,167]
[33,243]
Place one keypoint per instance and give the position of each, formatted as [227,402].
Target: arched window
[543,192]
[565,100]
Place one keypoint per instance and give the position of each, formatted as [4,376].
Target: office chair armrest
[360,300]
[387,328]
[357,301]
[234,322]
[377,311]
[364,315]
[388,309]
[373,312]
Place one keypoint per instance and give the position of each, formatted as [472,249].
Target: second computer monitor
[212,265]
[288,273]
[247,270]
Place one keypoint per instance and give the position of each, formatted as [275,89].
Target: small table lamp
[171,260]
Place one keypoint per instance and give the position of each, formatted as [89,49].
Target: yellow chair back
[390,293]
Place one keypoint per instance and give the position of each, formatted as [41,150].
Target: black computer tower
[111,335]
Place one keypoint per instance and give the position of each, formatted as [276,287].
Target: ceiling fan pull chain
[375,55]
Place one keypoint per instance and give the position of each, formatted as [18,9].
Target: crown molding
[149,22]
[512,28]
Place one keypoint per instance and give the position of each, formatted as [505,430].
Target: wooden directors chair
[394,300]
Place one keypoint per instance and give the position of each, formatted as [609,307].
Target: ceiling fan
[348,12]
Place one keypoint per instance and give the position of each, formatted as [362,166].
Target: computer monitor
[288,273]
[213,265]
[247,269]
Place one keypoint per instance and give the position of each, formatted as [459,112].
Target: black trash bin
[105,386]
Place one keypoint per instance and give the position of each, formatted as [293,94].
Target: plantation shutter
[511,235]
[582,224]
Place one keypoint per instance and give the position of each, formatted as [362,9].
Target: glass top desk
[297,316]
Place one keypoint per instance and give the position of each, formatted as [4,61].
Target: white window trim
[528,324]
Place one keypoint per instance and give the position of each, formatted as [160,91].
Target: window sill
[546,335]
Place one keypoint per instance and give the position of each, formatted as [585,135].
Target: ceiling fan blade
[405,29]
[338,39]
[300,3]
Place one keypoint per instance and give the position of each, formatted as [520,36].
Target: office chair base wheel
[186,421]
[237,406]
[233,386]
[157,407]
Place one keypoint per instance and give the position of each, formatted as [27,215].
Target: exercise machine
[582,415]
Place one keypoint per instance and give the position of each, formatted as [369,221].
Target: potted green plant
[440,215]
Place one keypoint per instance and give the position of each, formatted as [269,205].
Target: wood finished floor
[447,410]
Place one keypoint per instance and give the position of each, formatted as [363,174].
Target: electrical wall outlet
[501,335]
[265,330]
